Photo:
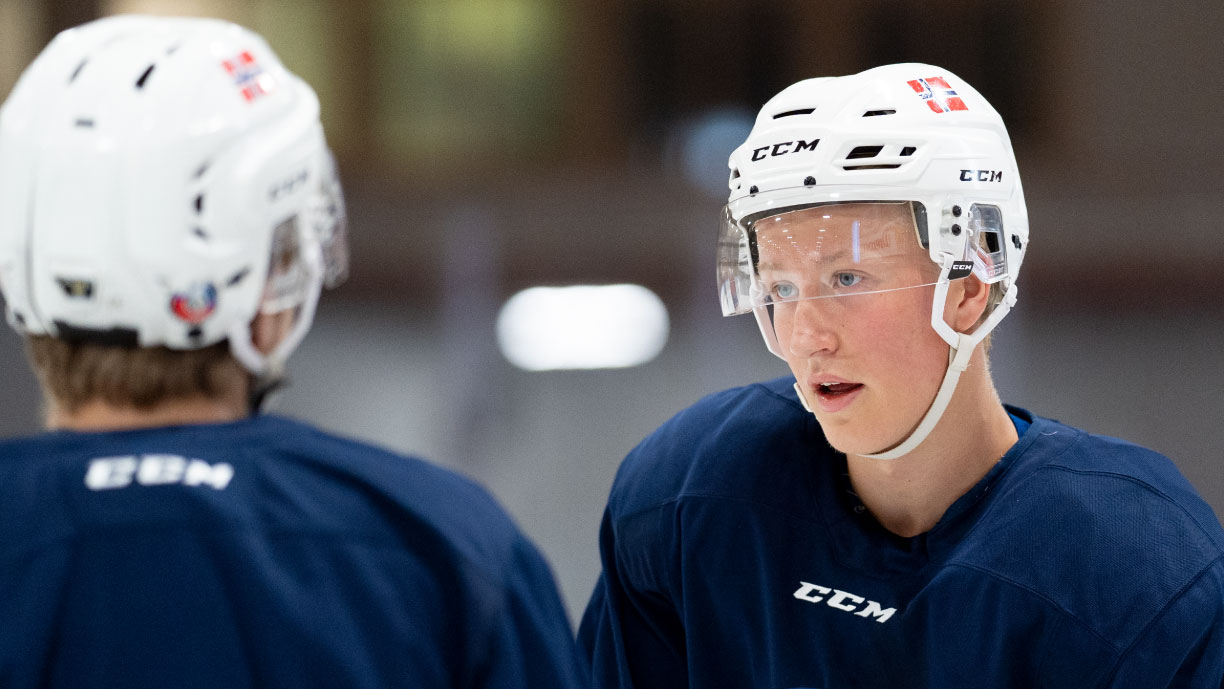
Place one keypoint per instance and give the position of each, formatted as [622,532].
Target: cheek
[902,341]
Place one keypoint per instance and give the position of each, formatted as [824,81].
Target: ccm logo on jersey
[105,473]
[981,175]
[783,147]
[843,600]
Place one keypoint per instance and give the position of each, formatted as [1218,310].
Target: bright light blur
[582,327]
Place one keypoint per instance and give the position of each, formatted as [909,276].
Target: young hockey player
[880,518]
[169,212]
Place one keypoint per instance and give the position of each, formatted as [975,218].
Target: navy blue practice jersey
[736,555]
[263,553]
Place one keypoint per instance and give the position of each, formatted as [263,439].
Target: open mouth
[834,390]
[834,396]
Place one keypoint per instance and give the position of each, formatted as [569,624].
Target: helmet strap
[960,349]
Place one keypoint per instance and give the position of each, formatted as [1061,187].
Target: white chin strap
[961,346]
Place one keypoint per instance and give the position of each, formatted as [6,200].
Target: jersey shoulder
[1107,530]
[1082,470]
[343,471]
[737,443]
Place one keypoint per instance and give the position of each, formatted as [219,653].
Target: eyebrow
[830,258]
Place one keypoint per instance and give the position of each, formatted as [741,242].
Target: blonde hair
[73,374]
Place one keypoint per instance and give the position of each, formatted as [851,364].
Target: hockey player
[168,214]
[880,518]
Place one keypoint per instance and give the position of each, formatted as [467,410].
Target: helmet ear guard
[192,145]
[907,132]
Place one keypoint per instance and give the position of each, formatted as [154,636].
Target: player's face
[869,360]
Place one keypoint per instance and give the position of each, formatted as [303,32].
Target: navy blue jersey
[263,553]
[736,555]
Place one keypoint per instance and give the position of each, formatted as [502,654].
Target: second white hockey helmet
[162,181]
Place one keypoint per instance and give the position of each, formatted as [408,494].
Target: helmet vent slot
[84,123]
[77,72]
[792,113]
[140,83]
[199,203]
[908,151]
[199,232]
[990,242]
[877,113]
[238,277]
[888,166]
[201,170]
[864,152]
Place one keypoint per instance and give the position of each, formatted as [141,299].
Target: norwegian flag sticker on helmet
[939,96]
[249,77]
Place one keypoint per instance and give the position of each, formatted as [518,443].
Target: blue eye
[847,279]
[785,290]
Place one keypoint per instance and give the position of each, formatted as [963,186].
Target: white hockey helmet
[905,133]
[162,181]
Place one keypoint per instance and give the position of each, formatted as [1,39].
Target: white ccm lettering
[105,473]
[805,592]
[872,610]
[839,596]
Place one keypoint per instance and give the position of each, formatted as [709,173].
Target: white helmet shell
[900,132]
[905,132]
[146,165]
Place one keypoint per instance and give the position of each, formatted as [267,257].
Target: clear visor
[289,270]
[308,248]
[846,249]
[820,252]
[330,225]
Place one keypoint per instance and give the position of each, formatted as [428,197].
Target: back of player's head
[163,181]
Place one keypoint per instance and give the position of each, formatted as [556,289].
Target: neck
[97,415]
[908,495]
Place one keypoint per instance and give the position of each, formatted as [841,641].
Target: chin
[847,440]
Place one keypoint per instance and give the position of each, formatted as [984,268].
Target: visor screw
[1016,241]
[809,181]
[753,189]
[956,230]
[956,211]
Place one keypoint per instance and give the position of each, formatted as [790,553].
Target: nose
[808,327]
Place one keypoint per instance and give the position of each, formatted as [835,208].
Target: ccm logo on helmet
[981,175]
[780,149]
[960,269]
[288,185]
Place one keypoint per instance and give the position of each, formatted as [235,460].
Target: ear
[967,299]
[269,329]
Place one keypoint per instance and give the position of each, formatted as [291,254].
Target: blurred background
[493,146]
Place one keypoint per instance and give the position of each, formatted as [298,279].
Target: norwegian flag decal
[939,96]
[248,76]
